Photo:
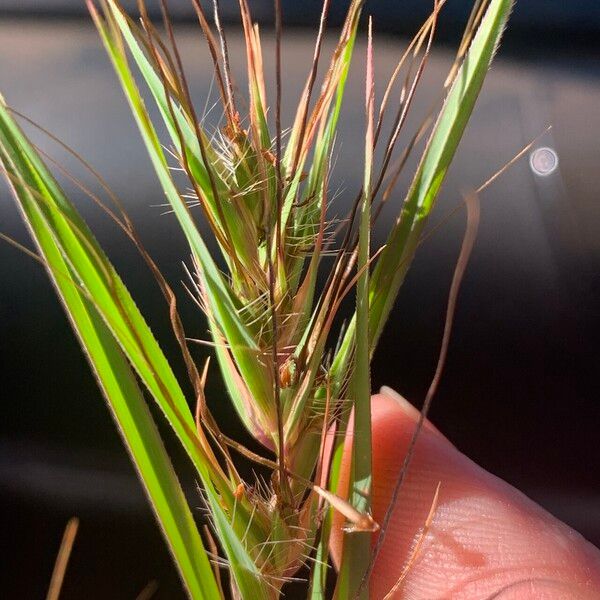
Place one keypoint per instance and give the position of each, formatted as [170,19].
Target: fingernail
[402,402]
[408,409]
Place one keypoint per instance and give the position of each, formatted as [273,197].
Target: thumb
[485,540]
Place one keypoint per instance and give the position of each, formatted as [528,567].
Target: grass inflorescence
[264,193]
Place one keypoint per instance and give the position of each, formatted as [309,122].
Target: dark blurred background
[519,394]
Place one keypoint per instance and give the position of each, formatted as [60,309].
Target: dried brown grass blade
[484,185]
[419,544]
[302,114]
[414,47]
[404,107]
[225,56]
[149,590]
[62,559]
[214,53]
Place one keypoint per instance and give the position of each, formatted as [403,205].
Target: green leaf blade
[402,243]
[115,379]
[396,258]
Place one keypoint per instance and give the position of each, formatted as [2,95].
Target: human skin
[485,539]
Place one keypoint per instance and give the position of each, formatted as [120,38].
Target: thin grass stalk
[285,488]
[357,544]
[230,106]
[473,214]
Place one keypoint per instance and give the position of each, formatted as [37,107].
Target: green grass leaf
[396,258]
[29,183]
[401,245]
[53,219]
[357,545]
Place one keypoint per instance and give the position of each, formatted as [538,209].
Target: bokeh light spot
[543,161]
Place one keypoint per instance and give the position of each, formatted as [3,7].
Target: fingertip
[484,534]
